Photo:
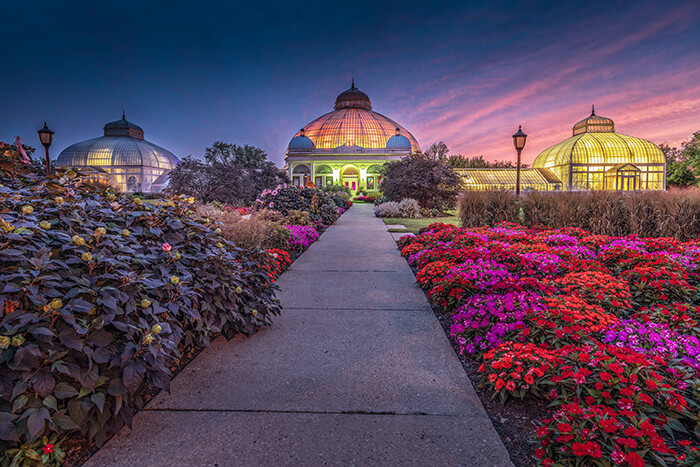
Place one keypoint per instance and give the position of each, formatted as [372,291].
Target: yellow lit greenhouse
[594,158]
[597,158]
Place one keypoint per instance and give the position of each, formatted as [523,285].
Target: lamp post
[519,143]
[46,138]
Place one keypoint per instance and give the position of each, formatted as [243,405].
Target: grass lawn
[412,225]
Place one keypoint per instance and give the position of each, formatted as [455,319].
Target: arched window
[374,169]
[301,170]
[350,171]
[323,170]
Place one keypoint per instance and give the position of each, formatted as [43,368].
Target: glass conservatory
[504,179]
[348,145]
[122,158]
[598,158]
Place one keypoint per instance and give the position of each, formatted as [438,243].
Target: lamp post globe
[46,138]
[519,139]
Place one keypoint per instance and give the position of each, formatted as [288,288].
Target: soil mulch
[514,420]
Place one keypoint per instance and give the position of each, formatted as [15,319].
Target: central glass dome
[351,123]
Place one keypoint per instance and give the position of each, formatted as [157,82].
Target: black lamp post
[519,143]
[46,138]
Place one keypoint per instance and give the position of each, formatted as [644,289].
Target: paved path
[356,371]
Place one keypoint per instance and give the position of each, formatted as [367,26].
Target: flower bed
[603,329]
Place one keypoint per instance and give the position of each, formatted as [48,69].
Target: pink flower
[167,247]
[25,158]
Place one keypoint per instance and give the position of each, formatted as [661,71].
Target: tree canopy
[683,164]
[229,174]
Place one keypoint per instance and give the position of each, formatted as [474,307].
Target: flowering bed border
[615,355]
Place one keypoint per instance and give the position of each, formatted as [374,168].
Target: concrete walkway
[356,371]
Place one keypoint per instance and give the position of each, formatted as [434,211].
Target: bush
[431,182]
[101,293]
[409,208]
[338,190]
[285,198]
[298,218]
[388,209]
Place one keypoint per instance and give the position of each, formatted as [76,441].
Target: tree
[231,174]
[429,181]
[683,164]
[672,154]
[679,174]
[459,161]
[437,151]
[246,156]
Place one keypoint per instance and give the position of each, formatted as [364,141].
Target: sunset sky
[191,73]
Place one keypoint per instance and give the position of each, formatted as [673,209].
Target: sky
[466,73]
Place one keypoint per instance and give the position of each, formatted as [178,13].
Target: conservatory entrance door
[351,177]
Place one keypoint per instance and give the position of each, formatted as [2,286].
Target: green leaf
[19,403]
[99,400]
[50,402]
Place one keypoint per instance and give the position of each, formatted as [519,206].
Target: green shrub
[286,198]
[338,189]
[297,218]
[101,293]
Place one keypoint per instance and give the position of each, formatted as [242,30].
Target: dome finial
[123,115]
[352,86]
[593,110]
[398,131]
[302,131]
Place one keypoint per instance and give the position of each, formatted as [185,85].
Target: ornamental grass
[673,213]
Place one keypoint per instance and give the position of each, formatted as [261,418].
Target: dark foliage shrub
[100,293]
[226,183]
[431,182]
[284,199]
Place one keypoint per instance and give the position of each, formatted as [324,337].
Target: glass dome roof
[122,145]
[353,123]
[114,151]
[301,142]
[594,124]
[595,142]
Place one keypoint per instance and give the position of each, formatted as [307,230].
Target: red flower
[634,460]
[564,428]
[166,247]
[510,385]
[48,449]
